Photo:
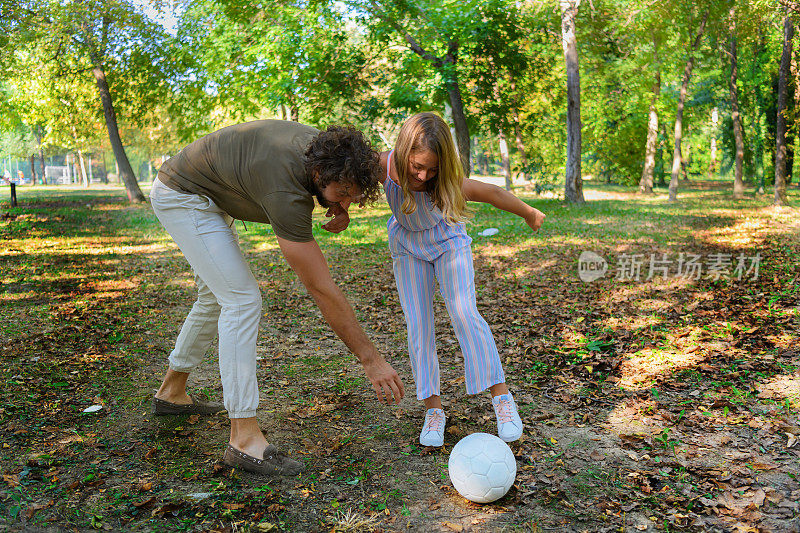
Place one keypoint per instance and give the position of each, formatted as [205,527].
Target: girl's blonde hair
[429,132]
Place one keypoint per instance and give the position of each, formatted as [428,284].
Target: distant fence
[64,170]
[57,175]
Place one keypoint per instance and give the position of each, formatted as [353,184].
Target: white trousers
[228,302]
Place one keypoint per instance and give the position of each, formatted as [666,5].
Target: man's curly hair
[343,154]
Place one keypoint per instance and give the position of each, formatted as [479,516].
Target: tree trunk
[712,166]
[126,172]
[481,161]
[104,175]
[687,74]
[791,131]
[646,183]
[505,159]
[758,133]
[41,165]
[446,66]
[660,165]
[84,176]
[33,170]
[780,136]
[790,139]
[738,138]
[42,176]
[573,185]
[523,157]
[459,120]
[295,113]
[686,156]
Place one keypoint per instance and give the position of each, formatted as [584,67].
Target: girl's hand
[535,219]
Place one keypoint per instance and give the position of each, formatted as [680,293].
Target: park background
[658,90]
[654,134]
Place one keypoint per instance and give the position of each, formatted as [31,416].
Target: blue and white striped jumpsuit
[423,245]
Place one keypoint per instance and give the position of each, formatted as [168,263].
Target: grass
[92,292]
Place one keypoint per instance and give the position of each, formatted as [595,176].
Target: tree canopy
[495,69]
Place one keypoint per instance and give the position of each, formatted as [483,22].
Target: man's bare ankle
[252,447]
[179,399]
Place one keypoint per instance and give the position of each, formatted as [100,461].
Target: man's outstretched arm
[309,264]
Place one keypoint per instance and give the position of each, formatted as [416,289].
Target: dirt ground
[658,406]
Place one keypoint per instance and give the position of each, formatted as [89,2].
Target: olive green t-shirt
[252,171]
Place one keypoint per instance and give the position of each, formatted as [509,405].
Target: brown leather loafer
[274,462]
[197,407]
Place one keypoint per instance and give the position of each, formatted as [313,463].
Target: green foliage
[372,63]
[49,73]
[264,59]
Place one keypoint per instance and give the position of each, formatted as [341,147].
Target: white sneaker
[509,424]
[432,433]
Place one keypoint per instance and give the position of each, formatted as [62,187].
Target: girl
[428,194]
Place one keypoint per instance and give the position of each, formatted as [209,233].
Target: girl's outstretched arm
[477,191]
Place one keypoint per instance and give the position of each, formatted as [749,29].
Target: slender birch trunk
[687,74]
[573,183]
[712,166]
[42,176]
[646,182]
[84,176]
[505,159]
[738,179]
[780,135]
[523,157]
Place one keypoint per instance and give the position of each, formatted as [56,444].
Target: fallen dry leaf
[146,502]
[233,506]
[170,508]
[31,510]
[760,465]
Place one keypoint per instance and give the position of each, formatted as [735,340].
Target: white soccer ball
[482,467]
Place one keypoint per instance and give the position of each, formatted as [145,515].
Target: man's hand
[385,381]
[340,219]
[535,219]
[309,264]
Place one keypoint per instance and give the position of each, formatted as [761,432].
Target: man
[263,171]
